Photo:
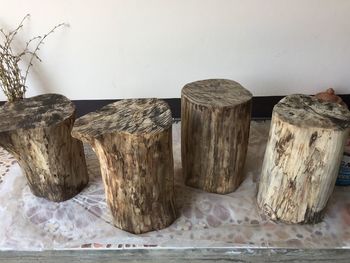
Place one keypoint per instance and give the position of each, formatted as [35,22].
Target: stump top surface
[216,93]
[39,111]
[308,111]
[134,116]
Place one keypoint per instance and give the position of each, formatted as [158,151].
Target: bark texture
[133,141]
[37,131]
[302,158]
[215,122]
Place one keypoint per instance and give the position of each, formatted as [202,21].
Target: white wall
[151,48]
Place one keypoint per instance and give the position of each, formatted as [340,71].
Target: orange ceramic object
[329,95]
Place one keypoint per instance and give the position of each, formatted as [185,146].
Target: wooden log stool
[215,122]
[37,131]
[302,158]
[133,141]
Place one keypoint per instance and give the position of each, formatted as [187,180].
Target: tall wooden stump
[302,158]
[215,121]
[133,141]
[37,131]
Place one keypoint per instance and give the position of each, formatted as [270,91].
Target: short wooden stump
[302,158]
[215,122]
[37,131]
[133,141]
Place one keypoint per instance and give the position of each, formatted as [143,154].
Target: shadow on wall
[40,78]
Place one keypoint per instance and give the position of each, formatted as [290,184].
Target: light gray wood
[180,255]
[302,158]
[37,132]
[215,122]
[133,141]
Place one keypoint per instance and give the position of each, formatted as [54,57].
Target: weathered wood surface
[302,158]
[221,255]
[37,131]
[215,122]
[133,141]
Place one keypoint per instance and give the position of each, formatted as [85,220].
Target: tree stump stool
[302,158]
[215,122]
[133,141]
[37,131]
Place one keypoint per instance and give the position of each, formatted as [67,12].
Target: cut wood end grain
[40,111]
[216,93]
[308,111]
[133,116]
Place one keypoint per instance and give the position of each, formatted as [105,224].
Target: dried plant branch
[34,53]
[13,33]
[12,81]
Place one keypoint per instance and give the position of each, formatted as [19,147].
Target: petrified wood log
[133,141]
[215,122]
[37,131]
[302,158]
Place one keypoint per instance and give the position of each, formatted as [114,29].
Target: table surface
[204,220]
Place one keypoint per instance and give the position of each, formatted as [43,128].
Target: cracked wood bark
[215,122]
[37,131]
[302,158]
[133,141]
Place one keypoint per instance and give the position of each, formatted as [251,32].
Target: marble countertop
[205,220]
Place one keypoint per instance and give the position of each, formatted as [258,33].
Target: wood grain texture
[37,132]
[302,158]
[133,141]
[215,122]
[155,255]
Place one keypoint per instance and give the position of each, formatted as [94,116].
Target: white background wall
[151,48]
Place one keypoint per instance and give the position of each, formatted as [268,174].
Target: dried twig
[12,81]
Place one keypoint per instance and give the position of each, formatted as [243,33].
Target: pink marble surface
[205,220]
